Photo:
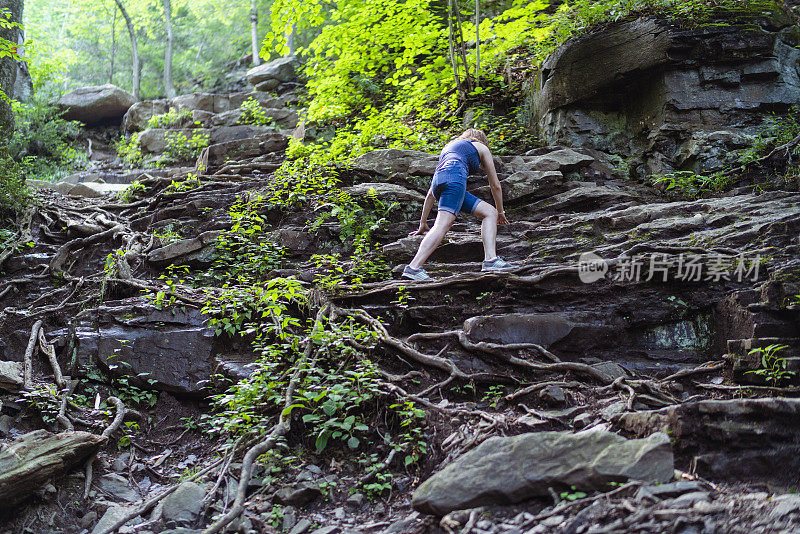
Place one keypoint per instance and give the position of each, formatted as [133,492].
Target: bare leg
[444,220]
[488,229]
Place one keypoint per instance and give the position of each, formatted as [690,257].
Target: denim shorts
[449,187]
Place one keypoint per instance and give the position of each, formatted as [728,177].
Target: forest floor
[476,356]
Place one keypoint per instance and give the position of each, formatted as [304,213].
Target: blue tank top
[461,150]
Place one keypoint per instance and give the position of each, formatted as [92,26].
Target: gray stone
[226,134]
[669,490]
[96,104]
[185,504]
[785,505]
[734,440]
[301,527]
[356,500]
[117,488]
[669,98]
[267,141]
[95,190]
[504,470]
[330,529]
[612,369]
[11,375]
[563,160]
[384,191]
[279,70]
[289,518]
[140,113]
[613,409]
[525,183]
[540,328]
[112,515]
[171,346]
[392,161]
[298,494]
[120,463]
[553,395]
[180,249]
[195,101]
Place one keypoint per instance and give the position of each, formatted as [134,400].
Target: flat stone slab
[506,470]
[540,328]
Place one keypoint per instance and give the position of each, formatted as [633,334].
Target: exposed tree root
[110,429]
[28,362]
[278,431]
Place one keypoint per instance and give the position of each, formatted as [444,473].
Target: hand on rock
[421,230]
[501,219]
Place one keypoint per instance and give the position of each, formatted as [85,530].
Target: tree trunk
[113,48]
[169,87]
[254,31]
[8,67]
[290,37]
[134,49]
[477,43]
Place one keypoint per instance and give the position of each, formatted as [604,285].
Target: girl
[459,158]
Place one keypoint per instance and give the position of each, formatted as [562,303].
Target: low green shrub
[43,143]
[253,113]
[14,194]
[182,147]
[776,131]
[690,185]
[129,150]
[173,118]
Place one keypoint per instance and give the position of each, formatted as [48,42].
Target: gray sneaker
[415,274]
[496,265]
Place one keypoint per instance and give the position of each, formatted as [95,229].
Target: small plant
[129,429]
[253,113]
[572,494]
[690,185]
[130,192]
[773,366]
[173,118]
[190,182]
[182,147]
[130,151]
[493,395]
[43,142]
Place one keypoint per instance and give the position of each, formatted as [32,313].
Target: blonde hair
[475,135]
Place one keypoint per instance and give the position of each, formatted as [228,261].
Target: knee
[491,213]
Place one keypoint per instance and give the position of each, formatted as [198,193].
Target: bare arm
[487,163]
[426,210]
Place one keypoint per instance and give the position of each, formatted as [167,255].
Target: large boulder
[96,104]
[274,73]
[170,346]
[671,97]
[731,440]
[137,117]
[506,470]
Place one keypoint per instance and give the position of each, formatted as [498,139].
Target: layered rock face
[670,98]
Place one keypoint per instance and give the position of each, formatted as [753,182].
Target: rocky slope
[603,393]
